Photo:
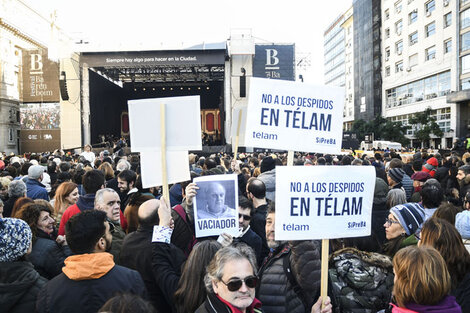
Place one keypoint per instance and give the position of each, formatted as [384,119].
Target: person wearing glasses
[247,235]
[401,225]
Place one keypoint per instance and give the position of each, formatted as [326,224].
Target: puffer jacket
[276,292]
[361,281]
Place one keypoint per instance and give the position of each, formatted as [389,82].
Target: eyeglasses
[236,284]
[389,222]
[245,217]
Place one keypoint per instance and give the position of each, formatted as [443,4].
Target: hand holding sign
[191,192]
[164,213]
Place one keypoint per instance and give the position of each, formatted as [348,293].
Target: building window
[399,47]
[465,41]
[413,60]
[11,135]
[413,16]
[448,46]
[399,67]
[465,64]
[430,53]
[430,29]
[398,6]
[448,19]
[398,27]
[387,33]
[387,53]
[387,71]
[430,6]
[465,84]
[465,19]
[413,38]
[387,14]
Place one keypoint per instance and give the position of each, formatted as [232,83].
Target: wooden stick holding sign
[237,136]
[166,192]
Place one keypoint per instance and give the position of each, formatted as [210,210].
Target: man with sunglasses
[230,282]
[247,235]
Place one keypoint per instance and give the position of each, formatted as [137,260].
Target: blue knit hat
[15,239]
[410,216]
[462,223]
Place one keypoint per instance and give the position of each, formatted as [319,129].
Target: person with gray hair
[108,201]
[35,189]
[395,197]
[16,190]
[123,165]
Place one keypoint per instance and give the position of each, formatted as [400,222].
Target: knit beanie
[267,164]
[15,239]
[410,216]
[462,223]
[430,166]
[396,174]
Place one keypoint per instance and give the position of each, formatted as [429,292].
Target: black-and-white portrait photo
[216,199]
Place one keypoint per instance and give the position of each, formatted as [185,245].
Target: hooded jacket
[87,282]
[361,281]
[447,305]
[19,286]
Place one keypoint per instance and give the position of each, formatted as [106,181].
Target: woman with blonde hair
[422,282]
[107,169]
[65,196]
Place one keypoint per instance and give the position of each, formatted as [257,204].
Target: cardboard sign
[323,202]
[294,116]
[183,124]
[216,205]
[151,167]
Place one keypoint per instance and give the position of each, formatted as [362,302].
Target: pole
[237,136]
[166,192]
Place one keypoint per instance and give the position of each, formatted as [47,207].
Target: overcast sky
[139,23]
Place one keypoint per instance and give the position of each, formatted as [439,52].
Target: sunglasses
[245,217]
[236,284]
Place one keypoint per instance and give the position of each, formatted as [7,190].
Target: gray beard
[275,244]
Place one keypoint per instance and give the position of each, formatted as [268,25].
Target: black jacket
[258,225]
[167,263]
[19,286]
[136,254]
[48,256]
[62,294]
[8,206]
[462,293]
[276,291]
[254,241]
[212,304]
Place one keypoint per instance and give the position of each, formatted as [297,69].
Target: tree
[382,128]
[425,125]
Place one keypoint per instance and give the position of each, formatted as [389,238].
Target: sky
[120,24]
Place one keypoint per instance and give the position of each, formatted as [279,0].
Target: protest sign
[294,116]
[216,205]
[183,123]
[323,202]
[151,167]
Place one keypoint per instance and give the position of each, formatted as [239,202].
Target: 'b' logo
[36,64]
[271,59]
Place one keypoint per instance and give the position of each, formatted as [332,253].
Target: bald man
[215,203]
[137,253]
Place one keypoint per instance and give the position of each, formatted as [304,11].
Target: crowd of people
[79,233]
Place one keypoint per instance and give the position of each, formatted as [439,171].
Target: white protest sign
[235,116]
[294,116]
[323,202]
[182,118]
[216,205]
[151,167]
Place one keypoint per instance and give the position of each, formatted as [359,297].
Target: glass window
[430,29]
[398,6]
[387,71]
[399,67]
[430,6]
[398,27]
[430,53]
[448,19]
[465,41]
[413,38]
[444,83]
[399,47]
[465,64]
[448,46]
[465,19]
[465,84]
[387,33]
[413,16]
[430,87]
[387,52]
[413,60]
[387,14]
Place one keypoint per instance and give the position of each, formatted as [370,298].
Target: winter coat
[19,286]
[464,187]
[8,206]
[48,256]
[269,180]
[447,305]
[462,293]
[361,281]
[276,291]
[254,241]
[379,209]
[407,184]
[258,225]
[36,190]
[214,304]
[87,282]
[118,238]
[167,262]
[183,235]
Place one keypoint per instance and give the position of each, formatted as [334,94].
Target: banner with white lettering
[182,119]
[294,116]
[216,205]
[323,202]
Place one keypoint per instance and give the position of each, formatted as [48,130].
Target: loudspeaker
[64,94]
[242,86]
